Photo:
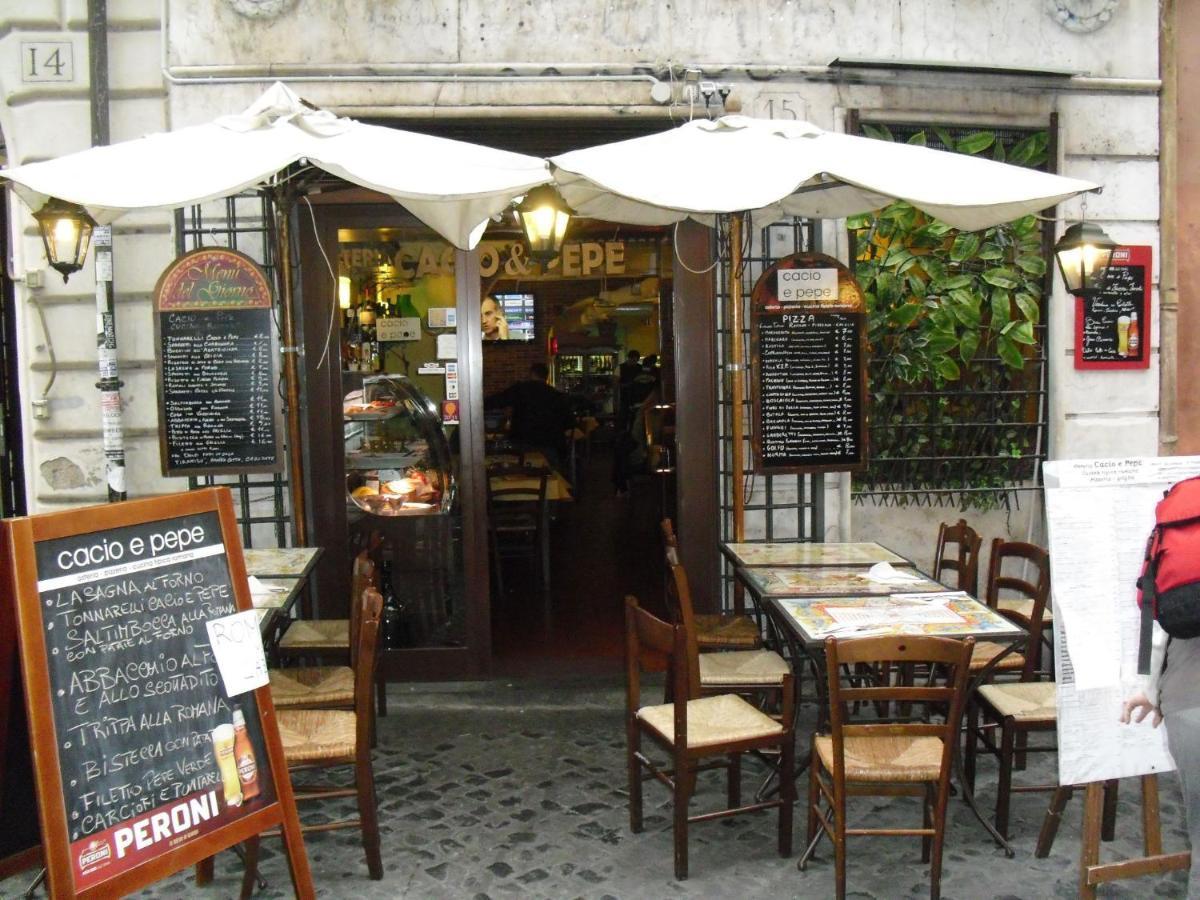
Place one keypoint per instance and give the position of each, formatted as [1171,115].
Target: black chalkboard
[810,405]
[135,690]
[217,391]
[809,370]
[1112,330]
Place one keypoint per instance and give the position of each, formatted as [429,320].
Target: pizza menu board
[1112,330]
[216,379]
[808,339]
[145,732]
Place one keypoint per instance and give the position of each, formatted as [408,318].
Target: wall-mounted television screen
[507,317]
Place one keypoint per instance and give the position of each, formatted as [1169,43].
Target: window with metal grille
[242,223]
[956,324]
[778,507]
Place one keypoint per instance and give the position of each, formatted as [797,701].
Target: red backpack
[1169,586]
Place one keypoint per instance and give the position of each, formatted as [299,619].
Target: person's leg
[1183,739]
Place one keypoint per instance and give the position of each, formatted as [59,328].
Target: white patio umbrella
[777,168]
[771,168]
[452,186]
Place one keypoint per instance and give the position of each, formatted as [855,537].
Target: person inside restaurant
[541,415]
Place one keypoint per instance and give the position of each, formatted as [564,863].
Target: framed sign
[216,376]
[1112,331]
[809,378]
[146,760]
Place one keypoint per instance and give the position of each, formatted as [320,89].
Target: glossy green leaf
[955,282]
[1022,333]
[1034,265]
[944,137]
[947,368]
[1029,307]
[880,132]
[942,342]
[1001,310]
[968,344]
[1002,277]
[1010,353]
[918,139]
[903,316]
[989,251]
[975,142]
[965,246]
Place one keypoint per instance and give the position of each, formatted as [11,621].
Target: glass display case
[397,458]
[587,373]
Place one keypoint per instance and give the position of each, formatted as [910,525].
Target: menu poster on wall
[146,763]
[1112,330]
[216,379]
[1099,513]
[808,360]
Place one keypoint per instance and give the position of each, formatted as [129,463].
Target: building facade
[1088,71]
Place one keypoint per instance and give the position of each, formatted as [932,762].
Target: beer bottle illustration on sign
[222,742]
[1135,338]
[243,754]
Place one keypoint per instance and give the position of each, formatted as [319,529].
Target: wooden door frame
[695,323]
[324,451]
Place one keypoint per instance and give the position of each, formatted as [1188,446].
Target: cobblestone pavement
[499,790]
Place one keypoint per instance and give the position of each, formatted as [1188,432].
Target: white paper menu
[1099,514]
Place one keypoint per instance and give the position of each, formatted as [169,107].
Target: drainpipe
[106,330]
[1168,285]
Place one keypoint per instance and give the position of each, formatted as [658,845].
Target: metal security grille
[778,507]
[242,223]
[977,441]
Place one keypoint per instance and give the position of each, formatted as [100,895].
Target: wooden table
[796,553]
[805,623]
[557,487]
[286,567]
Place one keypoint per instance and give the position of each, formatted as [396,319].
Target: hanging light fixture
[66,230]
[544,217]
[1083,254]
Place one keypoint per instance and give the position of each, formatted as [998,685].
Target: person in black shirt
[541,414]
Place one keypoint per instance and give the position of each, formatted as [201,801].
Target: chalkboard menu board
[1112,330]
[216,380]
[809,367]
[141,749]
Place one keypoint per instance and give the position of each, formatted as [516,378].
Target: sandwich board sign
[145,759]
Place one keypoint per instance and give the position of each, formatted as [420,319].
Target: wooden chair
[325,687]
[328,638]
[887,757]
[518,520]
[326,738]
[1020,708]
[1026,610]
[714,631]
[730,671]
[698,733]
[964,541]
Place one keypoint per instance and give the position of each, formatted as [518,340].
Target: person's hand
[1139,706]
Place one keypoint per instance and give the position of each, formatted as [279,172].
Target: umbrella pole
[739,375]
[282,202]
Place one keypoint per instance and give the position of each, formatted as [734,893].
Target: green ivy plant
[954,312]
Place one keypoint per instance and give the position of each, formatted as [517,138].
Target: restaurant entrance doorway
[601,318]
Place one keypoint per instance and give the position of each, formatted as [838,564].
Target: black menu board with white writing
[216,381]
[140,713]
[808,367]
[1112,329]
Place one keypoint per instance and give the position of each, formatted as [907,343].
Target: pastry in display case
[397,458]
